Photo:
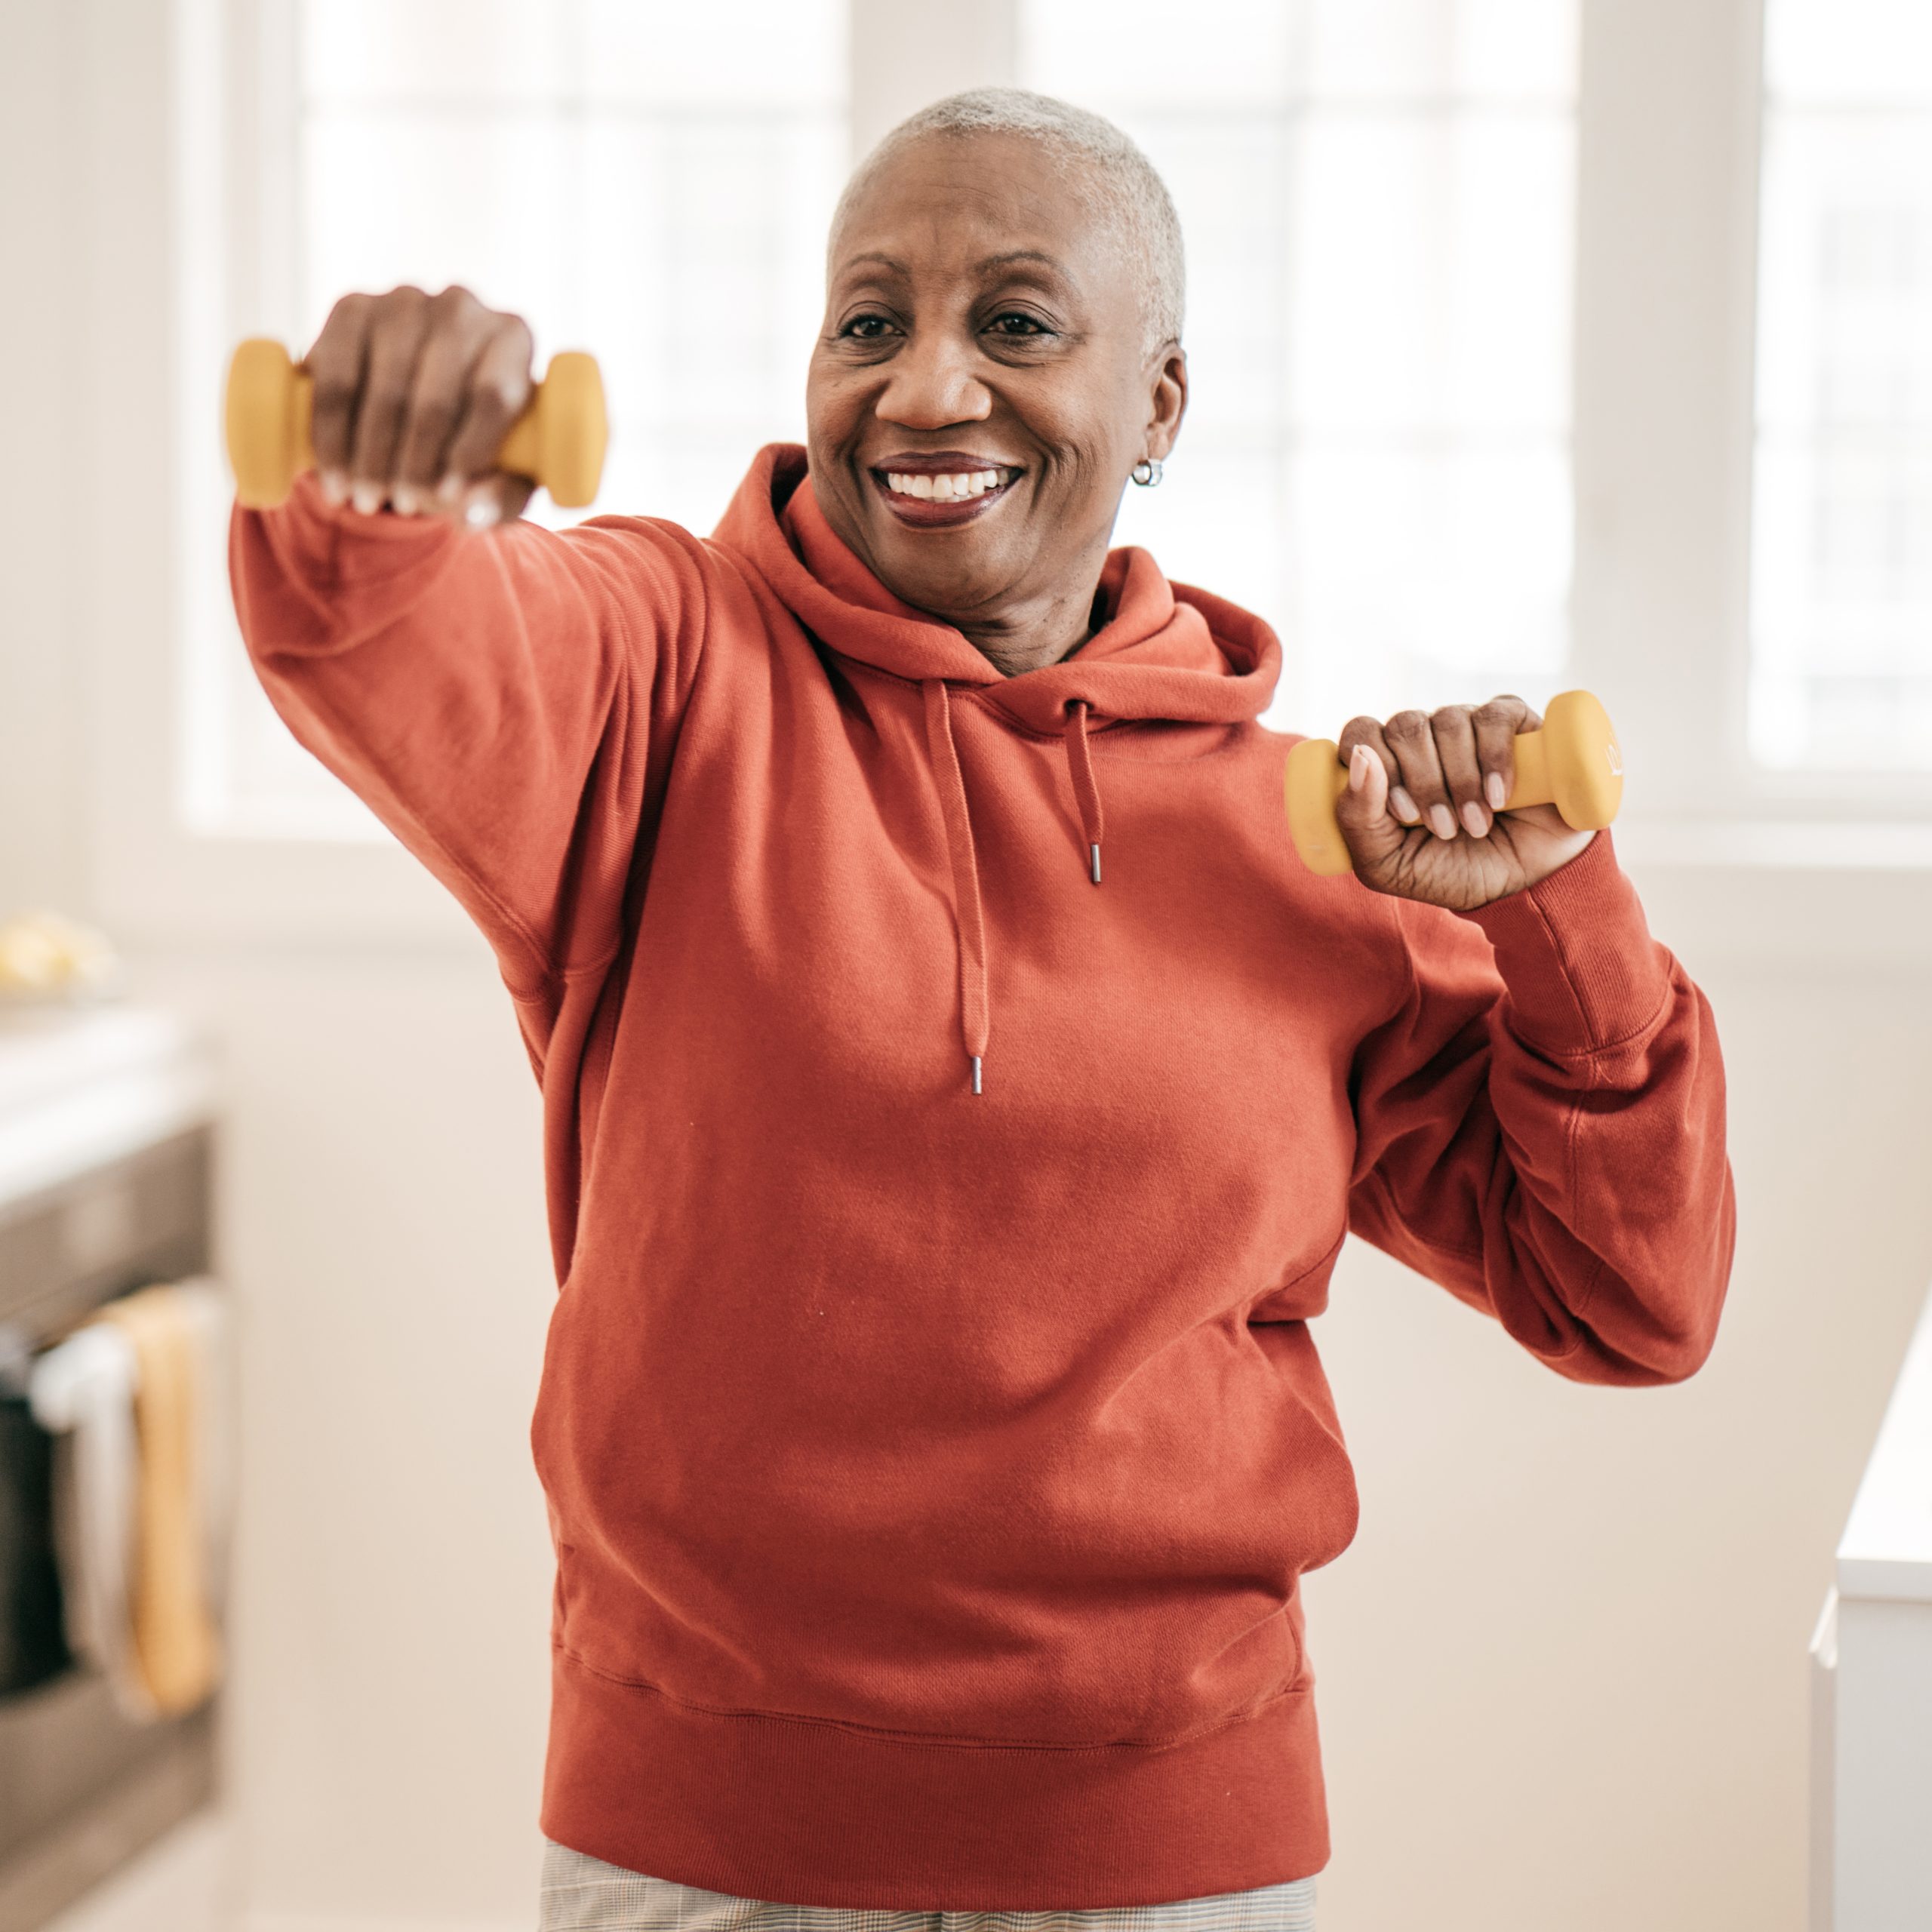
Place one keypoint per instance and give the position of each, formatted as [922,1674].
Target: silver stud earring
[1147,472]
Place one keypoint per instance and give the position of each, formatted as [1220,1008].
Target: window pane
[1114,55]
[1429,576]
[638,52]
[1841,576]
[724,54]
[1430,262]
[649,180]
[1475,49]
[1819,51]
[1378,198]
[706,316]
[451,50]
[1268,52]
[432,197]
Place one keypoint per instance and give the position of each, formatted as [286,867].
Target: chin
[950,598]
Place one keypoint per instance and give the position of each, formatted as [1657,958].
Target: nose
[931,384]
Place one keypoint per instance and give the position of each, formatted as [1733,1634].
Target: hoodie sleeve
[1541,1127]
[505,701]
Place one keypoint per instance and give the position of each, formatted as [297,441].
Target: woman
[931,1429]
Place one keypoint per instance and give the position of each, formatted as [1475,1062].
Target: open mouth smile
[930,498]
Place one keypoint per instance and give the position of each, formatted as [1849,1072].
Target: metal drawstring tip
[975,1073]
[1096,850]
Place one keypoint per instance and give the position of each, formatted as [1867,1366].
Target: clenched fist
[1422,813]
[414,393]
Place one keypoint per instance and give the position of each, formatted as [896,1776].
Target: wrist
[1576,956]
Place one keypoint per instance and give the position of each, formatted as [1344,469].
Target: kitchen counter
[81,1087]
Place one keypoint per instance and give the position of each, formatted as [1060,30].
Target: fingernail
[368,498]
[1493,790]
[1473,818]
[1403,806]
[335,487]
[1441,822]
[1358,768]
[481,513]
[449,491]
[405,499]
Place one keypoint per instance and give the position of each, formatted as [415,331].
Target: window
[1841,566]
[1404,449]
[1377,197]
[649,180]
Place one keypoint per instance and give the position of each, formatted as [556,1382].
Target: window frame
[1666,409]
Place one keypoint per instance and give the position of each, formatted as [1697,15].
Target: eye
[1005,324]
[866,328]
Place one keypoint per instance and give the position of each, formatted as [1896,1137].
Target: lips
[964,477]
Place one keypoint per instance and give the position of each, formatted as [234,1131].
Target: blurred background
[1533,343]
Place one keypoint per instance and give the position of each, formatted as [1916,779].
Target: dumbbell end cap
[259,423]
[573,429]
[1585,765]
[1312,782]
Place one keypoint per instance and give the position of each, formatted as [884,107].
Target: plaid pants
[581,1894]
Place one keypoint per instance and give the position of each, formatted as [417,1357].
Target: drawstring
[975,1015]
[1080,767]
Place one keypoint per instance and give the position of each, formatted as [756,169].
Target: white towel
[82,1392]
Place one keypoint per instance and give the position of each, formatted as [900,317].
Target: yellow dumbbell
[1572,763]
[558,442]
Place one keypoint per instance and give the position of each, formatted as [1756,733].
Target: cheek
[1091,419]
[832,408]
[1087,446]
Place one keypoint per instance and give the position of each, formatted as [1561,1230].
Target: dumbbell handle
[1572,763]
[557,441]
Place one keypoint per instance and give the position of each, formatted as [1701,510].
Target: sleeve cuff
[1581,971]
[350,574]
[328,527]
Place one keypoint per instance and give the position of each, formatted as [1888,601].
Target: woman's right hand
[414,393]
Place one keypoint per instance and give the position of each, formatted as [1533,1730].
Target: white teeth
[943,489]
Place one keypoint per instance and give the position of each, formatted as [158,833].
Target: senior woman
[931,1429]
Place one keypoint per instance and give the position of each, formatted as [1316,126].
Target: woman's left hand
[1421,812]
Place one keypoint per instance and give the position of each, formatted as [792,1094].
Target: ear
[1168,395]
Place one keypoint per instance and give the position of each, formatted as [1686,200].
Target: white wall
[383,1215]
[1563,1668]
[41,824]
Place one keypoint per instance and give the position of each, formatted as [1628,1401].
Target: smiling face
[982,388]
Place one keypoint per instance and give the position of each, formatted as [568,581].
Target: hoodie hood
[1165,651]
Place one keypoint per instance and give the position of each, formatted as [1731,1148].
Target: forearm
[473,688]
[1575,1182]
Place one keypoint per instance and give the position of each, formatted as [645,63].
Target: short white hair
[1111,175]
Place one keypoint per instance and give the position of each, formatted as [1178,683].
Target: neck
[1031,633]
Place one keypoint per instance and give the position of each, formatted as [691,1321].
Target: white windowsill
[1757,845]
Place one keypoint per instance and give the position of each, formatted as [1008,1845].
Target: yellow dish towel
[175,1642]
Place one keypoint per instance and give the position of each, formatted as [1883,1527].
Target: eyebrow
[1007,259]
[1013,255]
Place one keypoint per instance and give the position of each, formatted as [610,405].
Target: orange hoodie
[932,1430]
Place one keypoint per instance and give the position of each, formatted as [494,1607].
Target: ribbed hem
[1582,971]
[800,1812]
